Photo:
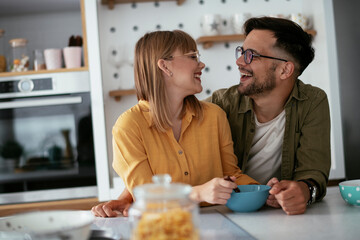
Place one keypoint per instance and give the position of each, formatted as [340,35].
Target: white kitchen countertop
[331,218]
[212,224]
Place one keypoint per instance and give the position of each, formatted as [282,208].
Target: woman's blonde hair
[149,81]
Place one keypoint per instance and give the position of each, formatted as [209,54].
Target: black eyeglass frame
[252,55]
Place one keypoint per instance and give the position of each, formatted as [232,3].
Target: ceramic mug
[211,24]
[72,57]
[53,58]
[237,22]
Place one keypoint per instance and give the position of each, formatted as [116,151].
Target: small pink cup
[72,57]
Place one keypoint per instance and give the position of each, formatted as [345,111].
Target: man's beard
[257,88]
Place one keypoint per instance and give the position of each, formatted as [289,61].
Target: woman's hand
[215,191]
[272,201]
[111,209]
[114,207]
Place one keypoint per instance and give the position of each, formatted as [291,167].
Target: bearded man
[280,126]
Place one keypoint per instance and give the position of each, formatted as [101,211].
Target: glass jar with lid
[18,55]
[2,52]
[163,210]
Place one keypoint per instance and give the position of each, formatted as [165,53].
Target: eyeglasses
[194,55]
[249,55]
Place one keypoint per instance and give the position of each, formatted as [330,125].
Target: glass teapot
[163,210]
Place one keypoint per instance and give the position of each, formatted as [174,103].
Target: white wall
[117,32]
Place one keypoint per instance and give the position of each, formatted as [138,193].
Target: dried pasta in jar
[174,224]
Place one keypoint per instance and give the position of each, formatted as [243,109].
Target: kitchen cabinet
[49,25]
[208,41]
[38,14]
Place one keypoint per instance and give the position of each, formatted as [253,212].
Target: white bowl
[49,225]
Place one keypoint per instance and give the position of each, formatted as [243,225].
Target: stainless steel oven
[46,138]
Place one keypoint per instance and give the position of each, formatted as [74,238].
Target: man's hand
[114,207]
[292,196]
[215,191]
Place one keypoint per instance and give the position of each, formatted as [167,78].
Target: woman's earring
[169,72]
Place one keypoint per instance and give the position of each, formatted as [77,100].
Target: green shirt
[306,146]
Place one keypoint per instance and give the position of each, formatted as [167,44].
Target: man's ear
[287,70]
[162,65]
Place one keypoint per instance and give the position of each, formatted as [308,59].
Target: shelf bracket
[207,45]
[111,4]
[117,94]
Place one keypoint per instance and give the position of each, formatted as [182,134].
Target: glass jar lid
[163,189]
[18,42]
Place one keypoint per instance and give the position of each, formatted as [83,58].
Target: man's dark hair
[290,37]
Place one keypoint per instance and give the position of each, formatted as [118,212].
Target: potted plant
[11,152]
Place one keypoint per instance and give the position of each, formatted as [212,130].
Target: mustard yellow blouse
[204,150]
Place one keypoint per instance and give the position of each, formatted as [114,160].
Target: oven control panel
[34,85]
[26,85]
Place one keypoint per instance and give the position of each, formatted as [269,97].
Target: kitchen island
[331,218]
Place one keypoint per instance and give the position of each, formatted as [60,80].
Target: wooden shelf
[111,3]
[60,70]
[208,41]
[117,94]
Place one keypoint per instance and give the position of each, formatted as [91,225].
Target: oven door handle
[40,102]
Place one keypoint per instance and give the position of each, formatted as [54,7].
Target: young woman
[170,130]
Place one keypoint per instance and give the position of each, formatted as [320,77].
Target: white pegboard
[121,27]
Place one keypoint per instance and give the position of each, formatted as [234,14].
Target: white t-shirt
[266,150]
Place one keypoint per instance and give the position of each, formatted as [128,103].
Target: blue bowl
[350,191]
[249,199]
